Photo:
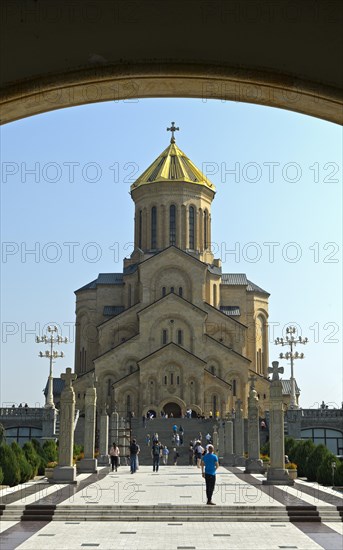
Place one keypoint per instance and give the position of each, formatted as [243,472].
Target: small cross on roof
[173,129]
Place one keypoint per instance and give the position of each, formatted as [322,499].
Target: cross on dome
[173,129]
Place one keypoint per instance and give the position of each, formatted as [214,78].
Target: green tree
[300,456]
[43,459]
[50,450]
[1,476]
[324,472]
[25,467]
[32,457]
[290,446]
[2,434]
[9,465]
[315,459]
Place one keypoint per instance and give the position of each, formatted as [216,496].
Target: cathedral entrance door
[172,408]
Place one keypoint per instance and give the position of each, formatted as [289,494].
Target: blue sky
[276,217]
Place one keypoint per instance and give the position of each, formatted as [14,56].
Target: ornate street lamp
[291,341]
[52,356]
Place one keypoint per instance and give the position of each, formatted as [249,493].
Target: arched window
[191,228]
[128,404]
[213,370]
[131,369]
[172,289]
[214,403]
[215,295]
[234,388]
[164,336]
[178,380]
[180,291]
[140,223]
[164,291]
[205,229]
[171,378]
[109,387]
[153,228]
[179,337]
[172,224]
[165,380]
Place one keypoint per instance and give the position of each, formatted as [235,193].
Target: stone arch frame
[128,361]
[175,399]
[224,399]
[133,392]
[156,328]
[212,360]
[187,292]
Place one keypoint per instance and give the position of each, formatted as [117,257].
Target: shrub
[9,465]
[290,446]
[42,456]
[32,457]
[50,450]
[315,459]
[324,472]
[24,466]
[300,456]
[1,476]
[339,475]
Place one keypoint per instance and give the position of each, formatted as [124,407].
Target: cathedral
[172,332]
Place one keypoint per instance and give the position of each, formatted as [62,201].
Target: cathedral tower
[173,205]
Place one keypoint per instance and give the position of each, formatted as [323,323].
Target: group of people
[205,459]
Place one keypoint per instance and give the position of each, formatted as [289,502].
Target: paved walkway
[173,492]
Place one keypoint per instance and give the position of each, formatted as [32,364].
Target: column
[254,464]
[103,443]
[221,441]
[65,471]
[89,463]
[215,439]
[238,427]
[228,444]
[277,473]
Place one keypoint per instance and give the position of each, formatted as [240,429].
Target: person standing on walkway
[114,456]
[198,452]
[134,450]
[209,465]
[155,453]
[176,456]
[165,453]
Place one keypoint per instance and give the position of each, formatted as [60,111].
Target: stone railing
[21,412]
[322,413]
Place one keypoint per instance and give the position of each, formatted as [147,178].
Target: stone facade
[171,331]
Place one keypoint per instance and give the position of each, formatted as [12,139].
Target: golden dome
[172,165]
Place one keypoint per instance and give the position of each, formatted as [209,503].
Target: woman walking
[114,455]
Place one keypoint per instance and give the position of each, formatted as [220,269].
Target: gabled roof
[173,344]
[240,279]
[103,279]
[286,387]
[57,386]
[112,311]
[172,165]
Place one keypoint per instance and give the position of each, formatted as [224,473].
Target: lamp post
[291,341]
[52,356]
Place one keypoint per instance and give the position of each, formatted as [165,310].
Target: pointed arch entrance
[174,409]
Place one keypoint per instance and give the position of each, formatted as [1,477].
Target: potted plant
[49,469]
[292,470]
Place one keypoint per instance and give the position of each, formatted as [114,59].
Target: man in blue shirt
[209,465]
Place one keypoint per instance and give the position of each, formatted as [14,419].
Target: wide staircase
[164,428]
